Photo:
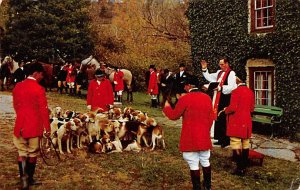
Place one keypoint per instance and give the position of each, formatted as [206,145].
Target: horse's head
[90,61]
[87,60]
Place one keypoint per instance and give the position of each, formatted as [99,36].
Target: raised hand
[203,64]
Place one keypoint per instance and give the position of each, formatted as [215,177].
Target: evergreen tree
[43,29]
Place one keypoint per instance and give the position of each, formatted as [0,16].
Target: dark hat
[241,74]
[192,80]
[35,67]
[99,73]
[152,67]
[182,65]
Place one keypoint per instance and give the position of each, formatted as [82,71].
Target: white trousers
[193,159]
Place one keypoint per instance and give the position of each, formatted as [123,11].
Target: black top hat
[241,74]
[192,80]
[99,73]
[182,65]
[35,67]
[116,68]
[152,67]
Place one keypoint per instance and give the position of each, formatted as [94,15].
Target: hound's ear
[77,121]
[84,118]
[68,125]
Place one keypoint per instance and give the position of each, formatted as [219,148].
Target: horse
[49,80]
[90,61]
[110,72]
[7,69]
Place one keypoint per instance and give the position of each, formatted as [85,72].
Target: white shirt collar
[31,78]
[181,73]
[193,89]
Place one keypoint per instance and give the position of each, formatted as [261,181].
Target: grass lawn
[160,169]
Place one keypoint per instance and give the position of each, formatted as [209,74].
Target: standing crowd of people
[70,78]
[226,117]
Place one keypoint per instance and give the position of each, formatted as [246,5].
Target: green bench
[267,115]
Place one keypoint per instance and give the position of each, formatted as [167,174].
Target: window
[262,83]
[262,15]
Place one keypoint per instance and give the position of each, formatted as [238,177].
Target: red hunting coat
[30,104]
[153,84]
[239,122]
[118,78]
[197,118]
[100,95]
[71,75]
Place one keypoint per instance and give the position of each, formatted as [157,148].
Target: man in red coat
[71,76]
[30,104]
[100,92]
[239,124]
[197,117]
[118,83]
[152,86]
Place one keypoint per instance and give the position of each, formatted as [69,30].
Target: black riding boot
[30,169]
[155,103]
[131,95]
[195,177]
[66,89]
[235,155]
[240,166]
[60,90]
[120,99]
[245,155]
[207,177]
[115,97]
[72,91]
[23,175]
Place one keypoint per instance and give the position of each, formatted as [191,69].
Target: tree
[43,29]
[140,33]
[3,18]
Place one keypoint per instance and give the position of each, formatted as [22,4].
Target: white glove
[115,82]
[89,107]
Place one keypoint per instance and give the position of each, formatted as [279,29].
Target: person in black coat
[167,80]
[180,78]
[19,74]
[61,79]
[80,77]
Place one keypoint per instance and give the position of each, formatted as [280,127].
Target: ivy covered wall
[220,27]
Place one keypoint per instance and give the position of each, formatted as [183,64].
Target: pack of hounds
[115,130]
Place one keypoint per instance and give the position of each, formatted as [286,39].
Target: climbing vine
[220,27]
